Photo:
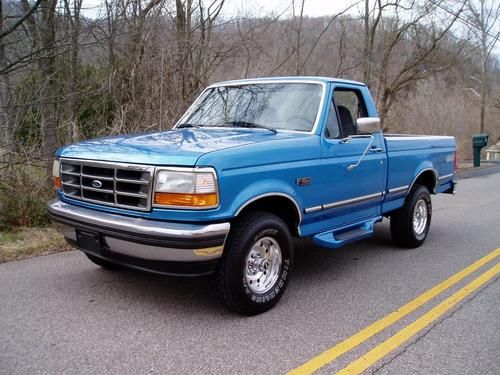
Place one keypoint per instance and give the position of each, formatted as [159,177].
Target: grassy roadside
[30,242]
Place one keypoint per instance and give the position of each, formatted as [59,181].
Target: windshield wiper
[185,125]
[245,124]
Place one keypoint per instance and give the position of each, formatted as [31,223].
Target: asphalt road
[60,314]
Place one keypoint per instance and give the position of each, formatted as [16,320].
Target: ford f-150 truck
[250,165]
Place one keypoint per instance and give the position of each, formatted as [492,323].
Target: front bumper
[158,246]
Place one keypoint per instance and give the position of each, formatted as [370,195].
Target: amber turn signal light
[186,200]
[57,182]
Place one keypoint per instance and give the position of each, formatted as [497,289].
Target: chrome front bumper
[139,238]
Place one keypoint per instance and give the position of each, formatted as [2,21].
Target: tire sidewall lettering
[266,232]
[274,292]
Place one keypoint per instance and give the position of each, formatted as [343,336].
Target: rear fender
[423,168]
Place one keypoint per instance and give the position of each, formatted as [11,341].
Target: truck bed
[407,154]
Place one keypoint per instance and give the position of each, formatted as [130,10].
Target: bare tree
[194,41]
[7,144]
[409,47]
[371,20]
[19,22]
[73,9]
[482,19]
[298,19]
[47,67]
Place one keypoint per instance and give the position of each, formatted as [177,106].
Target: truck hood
[180,147]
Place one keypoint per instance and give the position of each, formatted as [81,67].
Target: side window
[350,106]
[332,124]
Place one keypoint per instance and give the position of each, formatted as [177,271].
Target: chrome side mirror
[368,125]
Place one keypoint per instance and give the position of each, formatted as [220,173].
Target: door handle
[376,149]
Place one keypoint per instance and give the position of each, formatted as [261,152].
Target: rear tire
[103,263]
[410,224]
[255,267]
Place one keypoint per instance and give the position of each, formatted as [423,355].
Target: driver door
[354,163]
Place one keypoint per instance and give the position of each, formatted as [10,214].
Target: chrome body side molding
[313,209]
[345,202]
[399,189]
[446,176]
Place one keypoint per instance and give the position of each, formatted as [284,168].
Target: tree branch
[21,20]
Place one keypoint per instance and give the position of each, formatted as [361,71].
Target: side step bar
[345,235]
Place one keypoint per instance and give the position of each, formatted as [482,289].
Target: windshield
[290,106]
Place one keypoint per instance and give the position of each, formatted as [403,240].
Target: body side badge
[303,181]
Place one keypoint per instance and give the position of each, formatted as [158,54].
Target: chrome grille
[112,184]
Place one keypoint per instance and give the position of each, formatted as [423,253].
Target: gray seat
[346,121]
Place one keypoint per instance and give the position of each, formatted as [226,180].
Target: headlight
[56,174]
[195,188]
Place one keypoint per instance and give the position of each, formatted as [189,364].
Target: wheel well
[282,207]
[427,179]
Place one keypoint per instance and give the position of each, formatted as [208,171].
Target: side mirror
[368,125]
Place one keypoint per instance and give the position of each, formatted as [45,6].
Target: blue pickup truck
[249,166]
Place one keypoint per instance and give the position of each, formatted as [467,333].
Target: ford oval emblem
[97,184]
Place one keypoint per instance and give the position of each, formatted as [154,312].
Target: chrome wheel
[420,214]
[263,265]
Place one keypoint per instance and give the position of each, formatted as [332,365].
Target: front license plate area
[88,240]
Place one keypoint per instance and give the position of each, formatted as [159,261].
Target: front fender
[265,188]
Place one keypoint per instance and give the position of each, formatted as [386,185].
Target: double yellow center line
[381,350]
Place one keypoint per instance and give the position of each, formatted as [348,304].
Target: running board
[342,236]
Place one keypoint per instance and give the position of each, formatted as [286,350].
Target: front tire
[410,224]
[255,268]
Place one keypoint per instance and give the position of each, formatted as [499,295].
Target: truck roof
[288,79]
